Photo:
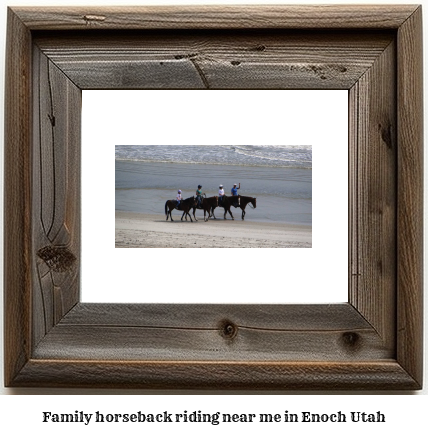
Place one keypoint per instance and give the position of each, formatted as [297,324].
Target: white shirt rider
[221,191]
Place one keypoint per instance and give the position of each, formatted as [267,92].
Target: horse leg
[207,210]
[212,210]
[230,212]
[243,213]
[194,214]
[190,216]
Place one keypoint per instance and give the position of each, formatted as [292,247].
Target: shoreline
[135,230]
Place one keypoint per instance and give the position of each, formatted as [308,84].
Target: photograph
[213,196]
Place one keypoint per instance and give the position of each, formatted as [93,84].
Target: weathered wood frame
[372,342]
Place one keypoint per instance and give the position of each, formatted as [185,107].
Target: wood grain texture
[372,342]
[373,168]
[410,197]
[200,332]
[55,193]
[341,317]
[217,17]
[386,375]
[17,199]
[216,59]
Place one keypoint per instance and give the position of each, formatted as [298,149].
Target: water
[279,176]
[264,156]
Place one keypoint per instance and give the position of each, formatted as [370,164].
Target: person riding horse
[220,194]
[179,199]
[185,205]
[199,196]
[234,192]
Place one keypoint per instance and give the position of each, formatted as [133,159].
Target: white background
[318,118]
[405,413]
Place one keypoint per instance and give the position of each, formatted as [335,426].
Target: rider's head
[234,185]
[199,186]
[179,191]
[220,186]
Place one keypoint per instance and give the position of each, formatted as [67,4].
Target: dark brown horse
[245,200]
[226,203]
[185,205]
[207,204]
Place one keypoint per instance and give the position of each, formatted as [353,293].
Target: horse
[206,204]
[245,200]
[185,205]
[226,203]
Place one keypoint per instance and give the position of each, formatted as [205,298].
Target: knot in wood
[228,330]
[386,134]
[351,340]
[94,18]
[259,48]
[186,56]
[58,259]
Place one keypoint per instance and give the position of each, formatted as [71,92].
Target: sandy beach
[153,231]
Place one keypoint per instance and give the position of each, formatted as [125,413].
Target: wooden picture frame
[372,342]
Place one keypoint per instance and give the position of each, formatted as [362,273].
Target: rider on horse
[220,194]
[199,195]
[179,198]
[234,192]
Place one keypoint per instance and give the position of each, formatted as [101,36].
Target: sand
[153,231]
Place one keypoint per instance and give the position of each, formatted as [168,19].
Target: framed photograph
[53,339]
